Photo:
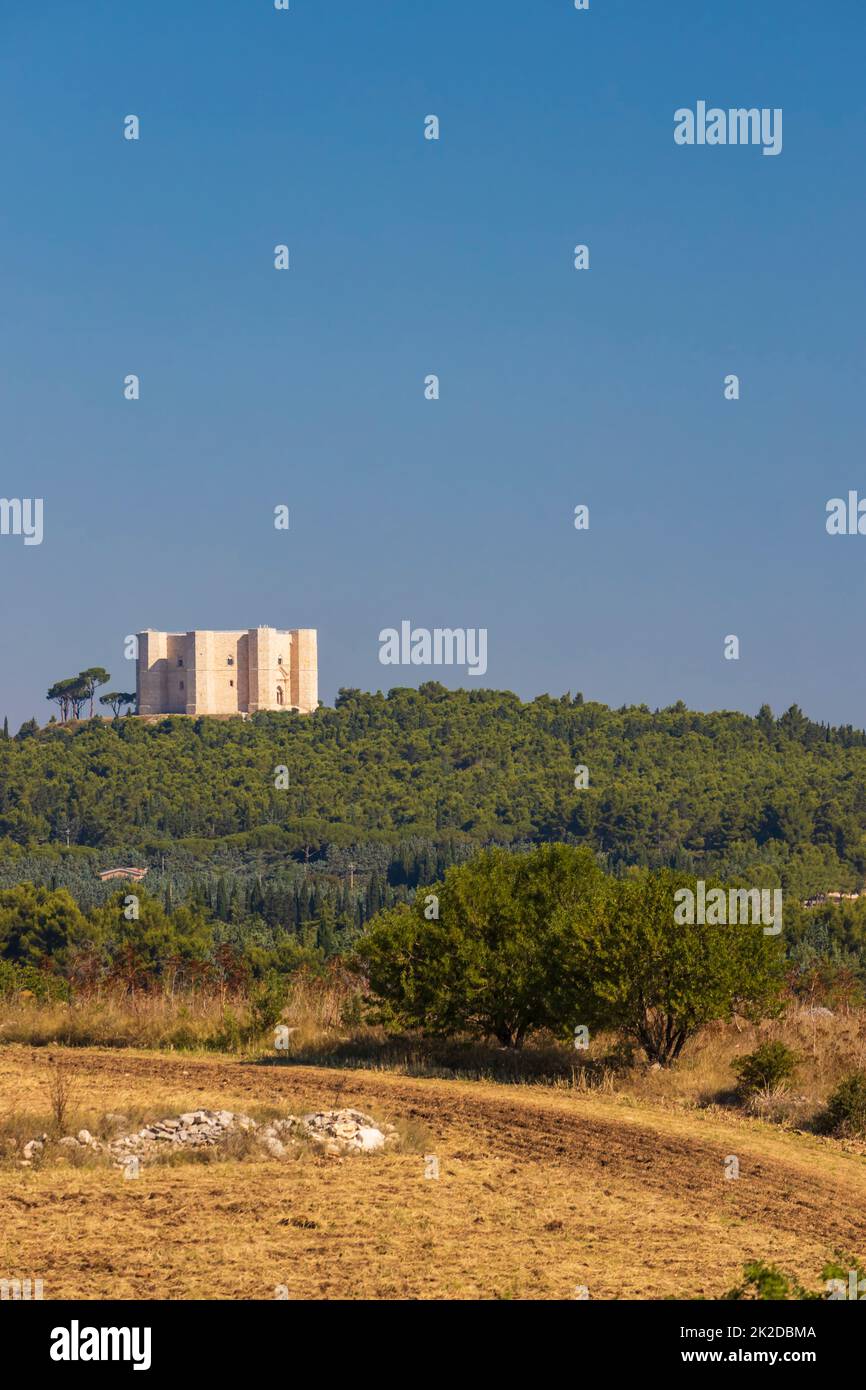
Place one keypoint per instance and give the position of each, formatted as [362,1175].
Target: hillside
[409,781]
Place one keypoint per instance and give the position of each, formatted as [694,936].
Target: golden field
[542,1188]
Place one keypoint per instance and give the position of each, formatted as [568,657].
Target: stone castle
[227,672]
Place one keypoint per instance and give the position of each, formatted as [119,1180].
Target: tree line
[504,946]
[720,793]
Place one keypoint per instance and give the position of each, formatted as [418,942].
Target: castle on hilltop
[227,672]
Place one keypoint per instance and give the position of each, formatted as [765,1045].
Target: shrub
[846,1109]
[63,1085]
[770,1065]
[763,1281]
[267,1003]
[641,967]
[26,980]
[228,1036]
[842,1277]
[515,942]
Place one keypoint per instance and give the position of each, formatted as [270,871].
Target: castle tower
[305,670]
[204,672]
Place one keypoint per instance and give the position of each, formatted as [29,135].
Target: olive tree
[486,951]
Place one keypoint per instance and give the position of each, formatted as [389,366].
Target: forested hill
[723,790]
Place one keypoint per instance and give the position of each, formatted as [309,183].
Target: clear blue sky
[411,257]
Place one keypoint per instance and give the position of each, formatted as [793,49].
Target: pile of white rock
[330,1131]
[342,1131]
[195,1129]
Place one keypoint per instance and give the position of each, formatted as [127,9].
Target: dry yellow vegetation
[541,1190]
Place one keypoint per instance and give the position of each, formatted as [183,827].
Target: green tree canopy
[485,951]
[515,942]
[38,924]
[657,980]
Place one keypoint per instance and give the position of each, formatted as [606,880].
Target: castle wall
[206,672]
[174,676]
[305,669]
[150,672]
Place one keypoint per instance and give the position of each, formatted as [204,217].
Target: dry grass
[62,1089]
[828,1047]
[107,1016]
[114,1020]
[541,1189]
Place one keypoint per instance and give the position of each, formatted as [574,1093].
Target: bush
[846,1108]
[841,1277]
[267,1003]
[643,968]
[763,1281]
[768,1066]
[27,980]
[229,1036]
[511,943]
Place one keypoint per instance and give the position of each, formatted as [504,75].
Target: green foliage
[718,792]
[842,1277]
[763,1281]
[91,680]
[544,939]
[658,980]
[491,959]
[116,699]
[267,1003]
[845,1272]
[846,1108]
[17,979]
[388,792]
[38,925]
[770,1065]
[74,692]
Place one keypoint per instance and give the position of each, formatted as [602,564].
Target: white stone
[369,1138]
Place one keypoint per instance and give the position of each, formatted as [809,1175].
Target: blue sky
[454,257]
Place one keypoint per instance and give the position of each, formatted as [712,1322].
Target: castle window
[279,661]
[181,685]
[231,682]
[230,660]
[279,694]
[180,661]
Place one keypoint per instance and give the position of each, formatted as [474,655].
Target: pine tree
[222,901]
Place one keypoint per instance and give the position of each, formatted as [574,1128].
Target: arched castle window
[279,694]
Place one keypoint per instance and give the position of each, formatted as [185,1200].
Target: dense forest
[288,833]
[391,789]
